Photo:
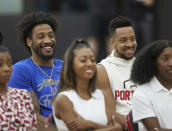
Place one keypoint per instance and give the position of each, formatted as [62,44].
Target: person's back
[113,72]
[40,73]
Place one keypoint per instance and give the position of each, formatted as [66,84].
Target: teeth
[89,71]
[48,47]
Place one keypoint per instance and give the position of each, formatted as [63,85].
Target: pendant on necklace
[51,81]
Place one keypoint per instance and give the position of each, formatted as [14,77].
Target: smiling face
[84,64]
[43,41]
[164,66]
[5,67]
[124,42]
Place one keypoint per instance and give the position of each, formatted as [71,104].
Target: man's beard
[123,56]
[41,55]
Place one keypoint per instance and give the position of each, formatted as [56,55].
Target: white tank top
[118,71]
[92,109]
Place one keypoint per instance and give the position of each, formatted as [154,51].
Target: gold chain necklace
[50,80]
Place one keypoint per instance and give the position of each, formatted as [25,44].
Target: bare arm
[112,124]
[102,82]
[79,123]
[72,120]
[116,127]
[40,119]
[152,124]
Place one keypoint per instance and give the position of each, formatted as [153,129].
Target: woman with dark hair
[79,105]
[16,108]
[152,100]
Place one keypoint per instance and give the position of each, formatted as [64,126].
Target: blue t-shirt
[26,75]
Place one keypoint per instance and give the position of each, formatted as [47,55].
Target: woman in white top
[79,105]
[152,100]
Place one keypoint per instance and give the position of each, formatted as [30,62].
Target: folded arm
[40,118]
[73,120]
[102,82]
[152,124]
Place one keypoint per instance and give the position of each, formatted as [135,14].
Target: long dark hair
[67,79]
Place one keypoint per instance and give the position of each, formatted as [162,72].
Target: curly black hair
[25,26]
[144,67]
[118,22]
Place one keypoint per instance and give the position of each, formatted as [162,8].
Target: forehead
[42,28]
[167,50]
[4,55]
[124,32]
[83,52]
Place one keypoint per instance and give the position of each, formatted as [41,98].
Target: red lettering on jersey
[116,94]
[127,95]
[123,94]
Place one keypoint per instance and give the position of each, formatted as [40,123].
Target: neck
[40,61]
[166,83]
[82,88]
[3,89]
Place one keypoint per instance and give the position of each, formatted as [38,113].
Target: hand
[117,125]
[122,120]
[41,122]
[78,124]
[113,119]
[113,122]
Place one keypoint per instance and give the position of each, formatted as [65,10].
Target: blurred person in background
[16,108]
[40,73]
[142,14]
[101,12]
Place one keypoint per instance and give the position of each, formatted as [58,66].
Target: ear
[29,42]
[112,42]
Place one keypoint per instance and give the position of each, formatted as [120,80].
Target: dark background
[80,18]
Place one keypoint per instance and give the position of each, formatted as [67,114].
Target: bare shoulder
[102,80]
[63,108]
[101,69]
[62,102]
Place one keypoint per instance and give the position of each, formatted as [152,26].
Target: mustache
[130,47]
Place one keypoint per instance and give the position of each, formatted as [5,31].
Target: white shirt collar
[157,86]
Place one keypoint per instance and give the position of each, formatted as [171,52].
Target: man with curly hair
[113,72]
[40,73]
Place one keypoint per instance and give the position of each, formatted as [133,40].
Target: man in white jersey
[113,72]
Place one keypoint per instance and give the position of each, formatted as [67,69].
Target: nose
[47,40]
[129,43]
[170,61]
[6,68]
[89,62]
